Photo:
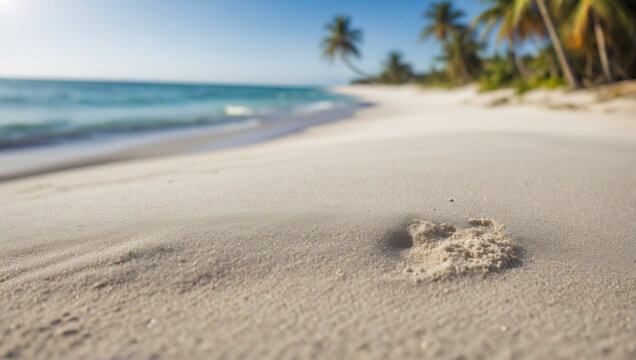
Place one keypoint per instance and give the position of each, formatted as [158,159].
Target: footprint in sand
[442,251]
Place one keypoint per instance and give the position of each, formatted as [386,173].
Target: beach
[373,237]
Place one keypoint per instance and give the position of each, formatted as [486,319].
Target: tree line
[580,43]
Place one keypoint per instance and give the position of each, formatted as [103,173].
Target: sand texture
[440,251]
[299,248]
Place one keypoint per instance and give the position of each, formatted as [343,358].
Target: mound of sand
[441,251]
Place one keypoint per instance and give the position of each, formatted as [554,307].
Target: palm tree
[502,12]
[442,19]
[443,23]
[601,13]
[498,71]
[544,64]
[520,8]
[461,54]
[342,42]
[623,44]
[396,71]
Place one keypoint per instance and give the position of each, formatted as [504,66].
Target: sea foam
[237,110]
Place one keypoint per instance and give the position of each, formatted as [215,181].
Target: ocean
[47,113]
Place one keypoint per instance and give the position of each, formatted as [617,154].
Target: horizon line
[160,81]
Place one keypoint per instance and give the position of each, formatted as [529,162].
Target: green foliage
[515,23]
[590,39]
[442,20]
[461,55]
[434,78]
[395,71]
[544,63]
[523,85]
[342,42]
[458,41]
[497,72]
[552,83]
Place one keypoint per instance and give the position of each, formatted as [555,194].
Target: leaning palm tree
[520,8]
[502,13]
[442,21]
[342,42]
[601,14]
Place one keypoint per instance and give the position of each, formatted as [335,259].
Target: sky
[212,41]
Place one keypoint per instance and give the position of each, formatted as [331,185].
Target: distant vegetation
[579,43]
[342,43]
[396,71]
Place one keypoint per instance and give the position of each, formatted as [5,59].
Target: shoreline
[187,141]
[159,144]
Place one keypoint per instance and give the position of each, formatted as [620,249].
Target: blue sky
[226,41]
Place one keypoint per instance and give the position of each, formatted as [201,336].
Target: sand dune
[297,248]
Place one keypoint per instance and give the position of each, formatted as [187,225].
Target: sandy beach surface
[377,237]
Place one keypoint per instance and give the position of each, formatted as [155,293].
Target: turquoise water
[49,112]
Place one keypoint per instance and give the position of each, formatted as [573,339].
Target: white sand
[440,251]
[297,248]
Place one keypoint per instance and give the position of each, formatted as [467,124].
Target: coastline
[298,247]
[38,160]
[55,158]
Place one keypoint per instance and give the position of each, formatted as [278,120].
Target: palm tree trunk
[355,69]
[463,70]
[589,66]
[521,67]
[618,69]
[554,69]
[570,77]
[519,62]
[602,48]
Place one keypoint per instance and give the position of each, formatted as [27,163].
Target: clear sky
[226,41]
